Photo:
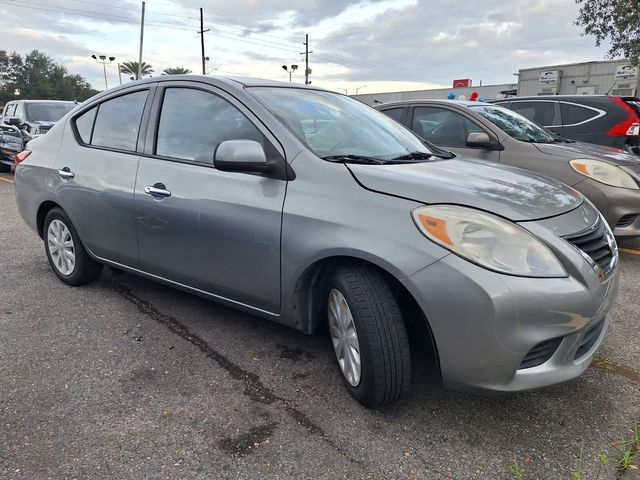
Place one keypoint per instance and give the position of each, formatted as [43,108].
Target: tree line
[37,76]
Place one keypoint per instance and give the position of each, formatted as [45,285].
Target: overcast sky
[384,44]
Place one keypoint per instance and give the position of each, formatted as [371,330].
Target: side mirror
[15,121]
[481,140]
[241,156]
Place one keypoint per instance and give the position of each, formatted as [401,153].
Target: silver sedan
[313,210]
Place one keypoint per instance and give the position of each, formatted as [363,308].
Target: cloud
[390,42]
[485,40]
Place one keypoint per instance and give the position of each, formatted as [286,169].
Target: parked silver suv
[311,209]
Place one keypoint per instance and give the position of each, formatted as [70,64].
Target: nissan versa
[607,176]
[312,209]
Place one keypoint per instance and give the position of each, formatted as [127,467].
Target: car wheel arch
[309,303]
[44,208]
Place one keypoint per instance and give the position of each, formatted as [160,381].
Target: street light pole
[293,69]
[344,90]
[362,86]
[103,60]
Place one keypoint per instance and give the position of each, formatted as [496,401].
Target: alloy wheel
[61,248]
[344,337]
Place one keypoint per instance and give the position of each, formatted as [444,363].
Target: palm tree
[176,71]
[131,68]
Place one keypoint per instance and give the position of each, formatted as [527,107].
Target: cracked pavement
[125,378]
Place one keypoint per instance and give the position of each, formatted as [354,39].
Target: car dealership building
[613,77]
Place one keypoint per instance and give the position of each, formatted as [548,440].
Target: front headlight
[604,173]
[487,240]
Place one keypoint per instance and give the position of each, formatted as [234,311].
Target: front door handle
[157,190]
[66,173]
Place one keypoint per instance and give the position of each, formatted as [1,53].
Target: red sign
[462,83]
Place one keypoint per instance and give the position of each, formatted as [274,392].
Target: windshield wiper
[355,159]
[414,156]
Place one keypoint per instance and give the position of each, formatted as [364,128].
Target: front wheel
[67,256]
[368,335]
[4,168]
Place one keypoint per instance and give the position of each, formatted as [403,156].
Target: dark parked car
[609,177]
[35,117]
[601,119]
[11,143]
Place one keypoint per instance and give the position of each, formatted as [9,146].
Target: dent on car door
[450,130]
[215,231]
[96,171]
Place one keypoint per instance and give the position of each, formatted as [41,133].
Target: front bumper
[484,323]
[619,206]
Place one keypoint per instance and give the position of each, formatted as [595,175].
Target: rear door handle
[157,190]
[66,173]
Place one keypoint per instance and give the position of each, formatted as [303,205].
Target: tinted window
[84,124]
[395,113]
[572,114]
[193,123]
[543,113]
[118,122]
[443,127]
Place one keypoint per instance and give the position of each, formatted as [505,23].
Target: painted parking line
[616,368]
[630,250]
[7,180]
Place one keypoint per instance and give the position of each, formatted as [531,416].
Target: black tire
[85,269]
[4,168]
[382,335]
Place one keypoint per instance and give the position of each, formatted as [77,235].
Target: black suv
[611,121]
[35,117]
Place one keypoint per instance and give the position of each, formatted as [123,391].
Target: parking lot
[125,378]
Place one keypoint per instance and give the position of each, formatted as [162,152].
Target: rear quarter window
[575,114]
[84,125]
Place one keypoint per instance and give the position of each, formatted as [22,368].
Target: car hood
[510,192]
[611,155]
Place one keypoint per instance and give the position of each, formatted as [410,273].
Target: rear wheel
[368,335]
[67,256]
[4,168]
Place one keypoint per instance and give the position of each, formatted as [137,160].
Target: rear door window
[442,126]
[194,122]
[118,122]
[575,114]
[542,113]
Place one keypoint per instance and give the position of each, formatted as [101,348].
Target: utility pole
[139,74]
[201,32]
[306,53]
[119,74]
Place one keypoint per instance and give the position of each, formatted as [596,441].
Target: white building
[486,92]
[613,77]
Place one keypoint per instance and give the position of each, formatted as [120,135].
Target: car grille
[589,339]
[540,353]
[597,244]
[626,220]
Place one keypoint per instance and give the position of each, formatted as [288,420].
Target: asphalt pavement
[125,378]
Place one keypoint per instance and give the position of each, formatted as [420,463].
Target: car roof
[45,101]
[576,98]
[460,103]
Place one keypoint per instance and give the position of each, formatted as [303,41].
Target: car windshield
[47,111]
[514,124]
[333,125]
